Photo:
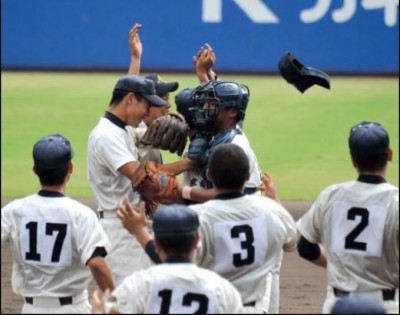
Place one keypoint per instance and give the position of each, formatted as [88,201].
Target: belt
[62,300]
[387,295]
[107,214]
[253,303]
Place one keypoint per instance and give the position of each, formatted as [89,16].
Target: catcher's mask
[211,96]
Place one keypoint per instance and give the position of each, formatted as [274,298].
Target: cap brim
[154,100]
[165,88]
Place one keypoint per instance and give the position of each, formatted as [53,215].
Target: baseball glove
[168,132]
[155,184]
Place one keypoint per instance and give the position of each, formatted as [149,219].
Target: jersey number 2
[350,242]
[50,228]
[188,298]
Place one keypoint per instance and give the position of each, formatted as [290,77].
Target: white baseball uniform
[242,240]
[52,238]
[110,147]
[357,223]
[176,288]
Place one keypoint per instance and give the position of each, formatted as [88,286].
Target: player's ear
[353,162]
[196,242]
[208,175]
[390,155]
[70,167]
[247,176]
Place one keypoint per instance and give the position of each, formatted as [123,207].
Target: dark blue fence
[345,36]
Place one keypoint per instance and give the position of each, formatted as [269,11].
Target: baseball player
[352,229]
[56,242]
[177,286]
[242,235]
[112,160]
[220,105]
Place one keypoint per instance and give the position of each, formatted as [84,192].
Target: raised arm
[136,49]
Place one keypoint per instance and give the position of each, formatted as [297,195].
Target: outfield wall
[347,36]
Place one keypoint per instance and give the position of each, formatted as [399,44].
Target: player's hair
[52,177]
[118,96]
[370,163]
[177,245]
[229,167]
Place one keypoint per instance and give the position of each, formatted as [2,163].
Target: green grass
[300,138]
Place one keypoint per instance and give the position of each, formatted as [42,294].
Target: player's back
[177,288]
[242,239]
[359,228]
[51,240]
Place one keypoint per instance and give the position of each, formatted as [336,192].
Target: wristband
[186,190]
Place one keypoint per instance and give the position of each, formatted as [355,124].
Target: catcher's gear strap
[300,76]
[308,250]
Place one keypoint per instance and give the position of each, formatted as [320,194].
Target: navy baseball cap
[142,86]
[357,305]
[51,152]
[175,220]
[368,138]
[162,87]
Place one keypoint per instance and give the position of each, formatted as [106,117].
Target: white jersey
[52,239]
[358,225]
[242,239]
[176,288]
[110,147]
[255,172]
[145,152]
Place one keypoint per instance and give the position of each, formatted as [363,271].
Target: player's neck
[58,188]
[228,191]
[376,173]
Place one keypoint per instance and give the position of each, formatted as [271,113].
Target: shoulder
[79,209]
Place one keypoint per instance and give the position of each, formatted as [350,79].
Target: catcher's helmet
[184,105]
[225,94]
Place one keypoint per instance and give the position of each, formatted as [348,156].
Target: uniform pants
[126,255]
[391,307]
[50,305]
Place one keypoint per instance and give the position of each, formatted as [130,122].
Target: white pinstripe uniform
[357,223]
[52,238]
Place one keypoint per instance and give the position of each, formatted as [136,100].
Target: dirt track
[302,284]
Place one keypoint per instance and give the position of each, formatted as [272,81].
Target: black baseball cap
[175,220]
[51,152]
[162,87]
[368,138]
[142,86]
[357,305]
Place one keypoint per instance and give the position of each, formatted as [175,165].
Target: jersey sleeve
[232,297]
[291,235]
[113,152]
[131,295]
[89,234]
[6,223]
[309,225]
